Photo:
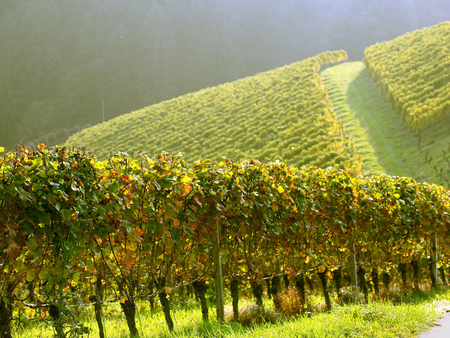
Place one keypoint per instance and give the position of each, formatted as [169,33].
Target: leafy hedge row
[282,114]
[413,71]
[132,225]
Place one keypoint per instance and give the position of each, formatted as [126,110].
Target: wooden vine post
[218,282]
[434,260]
[353,269]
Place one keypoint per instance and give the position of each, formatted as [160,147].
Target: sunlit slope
[282,114]
[413,71]
[364,111]
[380,134]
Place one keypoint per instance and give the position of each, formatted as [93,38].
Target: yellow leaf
[168,289]
[186,179]
[93,279]
[321,269]
[280,189]
[29,312]
[2,149]
[31,275]
[122,300]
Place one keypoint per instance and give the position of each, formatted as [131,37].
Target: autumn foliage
[68,221]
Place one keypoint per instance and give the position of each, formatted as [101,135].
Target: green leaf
[113,187]
[23,195]
[66,215]
[9,188]
[129,214]
[175,234]
[128,226]
[42,174]
[188,231]
[101,210]
[31,275]
[167,182]
[44,218]
[18,179]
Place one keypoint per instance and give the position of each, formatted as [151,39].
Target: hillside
[356,116]
[282,115]
[413,72]
[380,135]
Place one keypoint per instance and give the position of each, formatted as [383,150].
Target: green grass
[352,110]
[410,315]
[380,134]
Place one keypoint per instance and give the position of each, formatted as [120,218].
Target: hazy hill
[307,114]
[60,59]
[283,115]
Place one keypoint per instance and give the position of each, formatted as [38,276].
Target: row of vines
[134,227]
[282,114]
[413,73]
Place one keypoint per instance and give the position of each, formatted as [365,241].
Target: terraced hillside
[282,114]
[413,71]
[306,114]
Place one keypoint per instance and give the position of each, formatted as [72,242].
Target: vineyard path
[377,130]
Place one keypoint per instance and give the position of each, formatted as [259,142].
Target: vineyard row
[131,224]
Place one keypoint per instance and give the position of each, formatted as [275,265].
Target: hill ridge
[283,114]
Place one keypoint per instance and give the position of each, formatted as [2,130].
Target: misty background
[59,59]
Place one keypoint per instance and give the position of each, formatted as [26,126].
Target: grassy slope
[380,134]
[376,319]
[355,111]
